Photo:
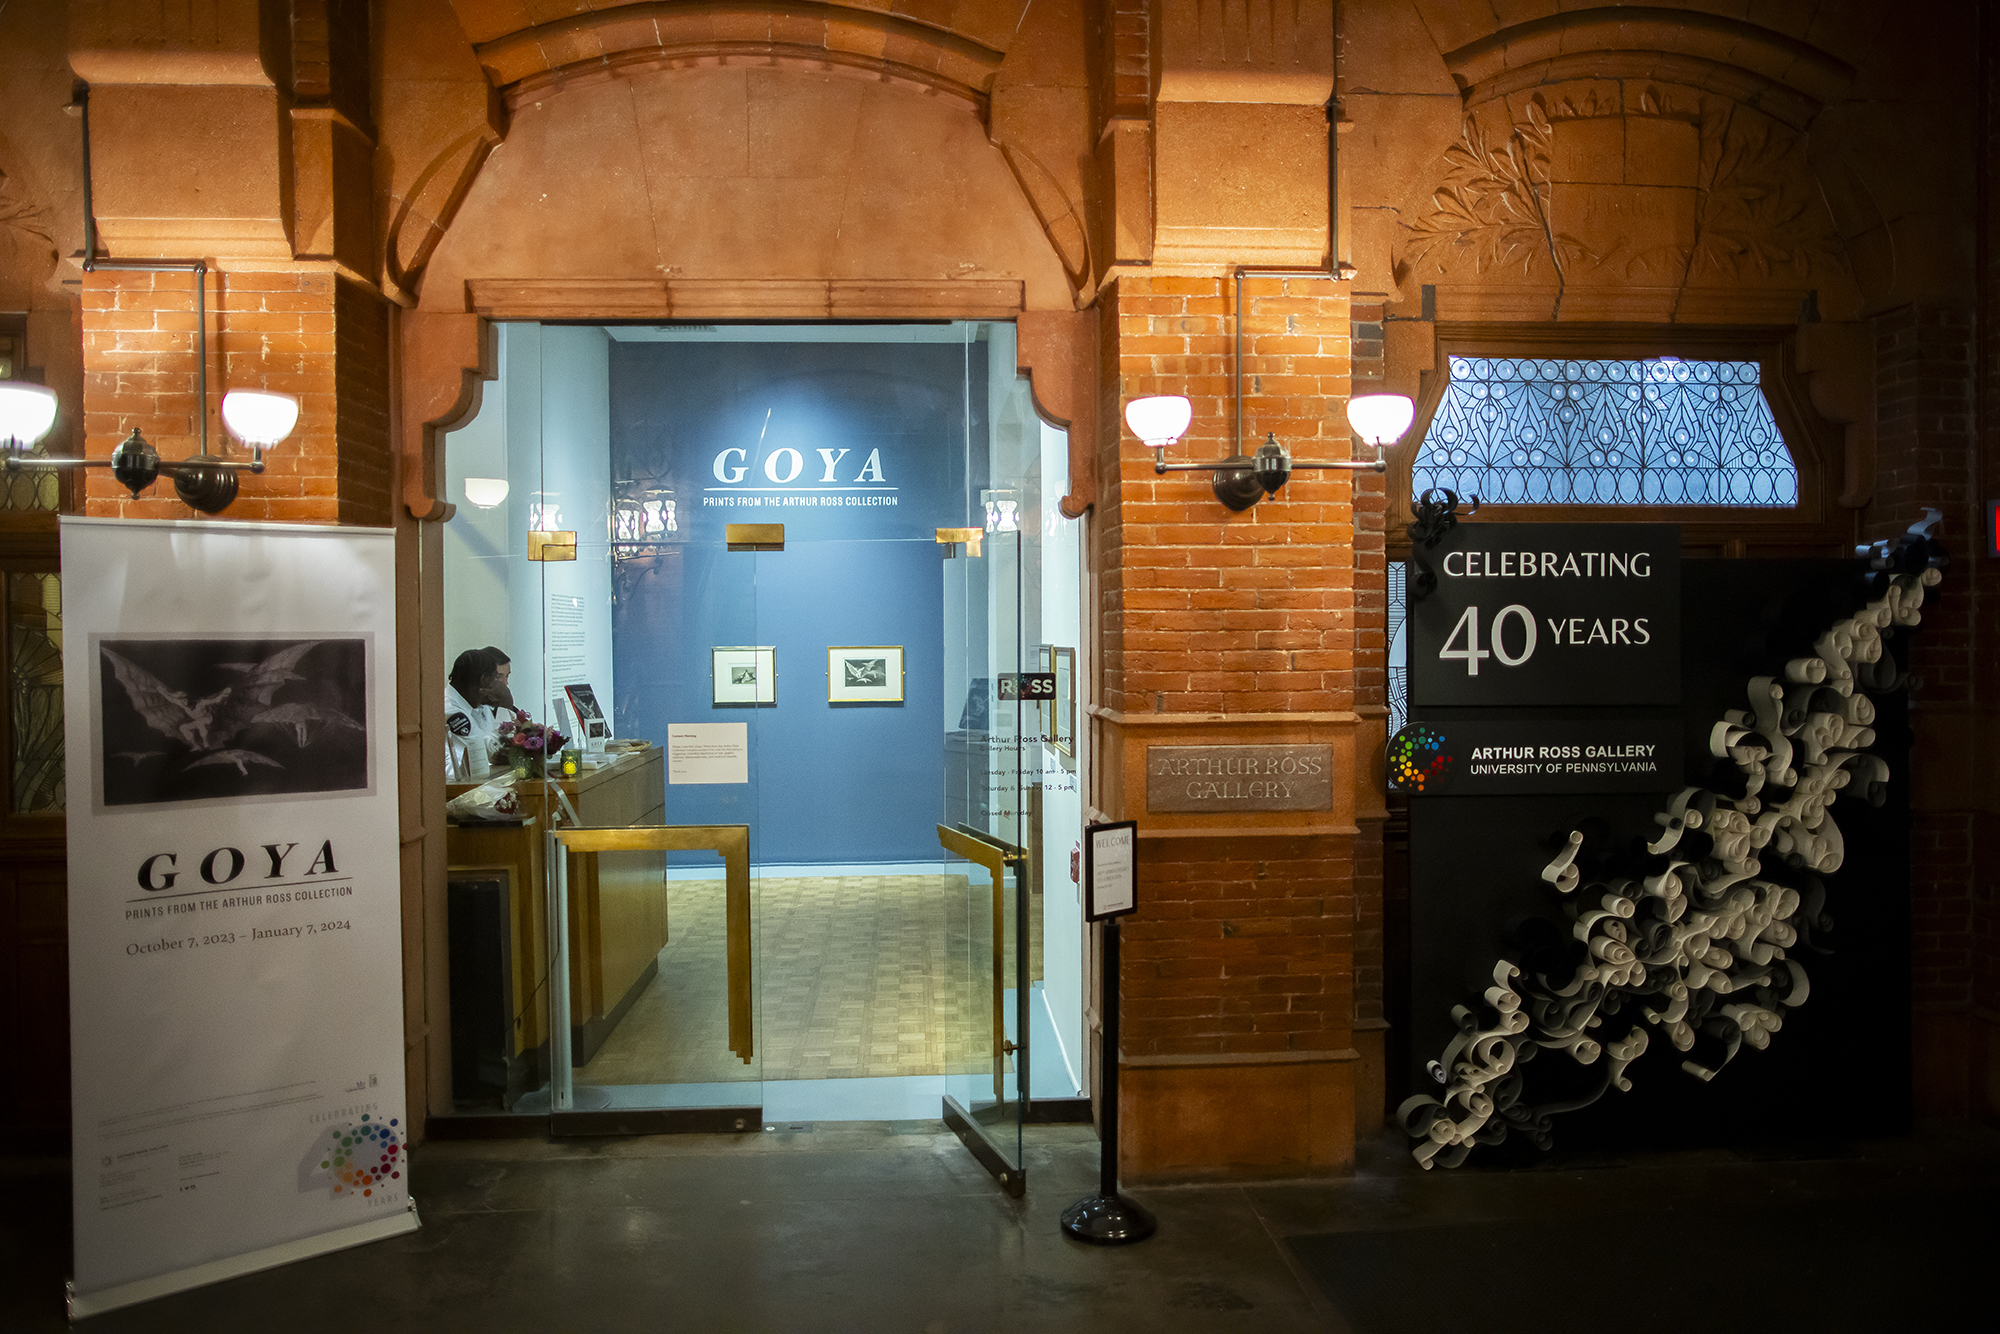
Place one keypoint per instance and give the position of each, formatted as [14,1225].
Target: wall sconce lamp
[1241,481]
[485,492]
[205,481]
[1003,511]
[27,411]
[645,527]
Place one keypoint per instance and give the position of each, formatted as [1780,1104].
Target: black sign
[1482,757]
[1027,685]
[1549,614]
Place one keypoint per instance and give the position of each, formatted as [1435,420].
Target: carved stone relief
[27,238]
[1598,185]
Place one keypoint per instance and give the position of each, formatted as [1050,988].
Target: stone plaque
[1239,778]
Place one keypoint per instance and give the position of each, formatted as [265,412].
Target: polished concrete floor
[890,1226]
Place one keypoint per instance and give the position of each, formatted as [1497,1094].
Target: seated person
[498,696]
[476,701]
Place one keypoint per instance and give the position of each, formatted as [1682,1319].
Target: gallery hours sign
[1549,614]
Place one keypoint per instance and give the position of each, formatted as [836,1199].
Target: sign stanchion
[1108,1218]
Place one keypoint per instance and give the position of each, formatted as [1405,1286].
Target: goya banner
[234,924]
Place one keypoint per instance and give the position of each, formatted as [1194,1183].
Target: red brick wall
[1928,455]
[1129,58]
[266,331]
[1240,947]
[1250,612]
[1371,675]
[361,379]
[1981,576]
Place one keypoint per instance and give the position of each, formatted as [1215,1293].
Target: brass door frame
[730,840]
[996,857]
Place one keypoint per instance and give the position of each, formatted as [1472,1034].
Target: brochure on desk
[234,889]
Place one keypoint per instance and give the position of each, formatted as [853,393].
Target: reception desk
[617,918]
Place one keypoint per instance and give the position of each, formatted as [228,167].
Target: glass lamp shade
[258,417]
[27,411]
[1380,419]
[1160,420]
[485,492]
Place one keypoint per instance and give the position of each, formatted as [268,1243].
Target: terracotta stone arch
[710,189]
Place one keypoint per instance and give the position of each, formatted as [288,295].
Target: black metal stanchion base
[1107,1220]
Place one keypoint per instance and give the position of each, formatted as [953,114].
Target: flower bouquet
[525,747]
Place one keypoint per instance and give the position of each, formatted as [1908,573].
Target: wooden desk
[629,789]
[617,913]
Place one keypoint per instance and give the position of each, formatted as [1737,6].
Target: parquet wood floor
[857,976]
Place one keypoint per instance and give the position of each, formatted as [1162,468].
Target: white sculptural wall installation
[1704,945]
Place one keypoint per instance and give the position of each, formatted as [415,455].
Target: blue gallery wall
[830,783]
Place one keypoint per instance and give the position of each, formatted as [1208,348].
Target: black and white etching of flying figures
[205,719]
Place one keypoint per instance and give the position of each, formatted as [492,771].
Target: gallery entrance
[801,601]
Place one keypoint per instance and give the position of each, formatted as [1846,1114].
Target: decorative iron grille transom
[1664,431]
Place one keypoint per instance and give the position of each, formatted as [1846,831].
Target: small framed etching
[865,674]
[744,674]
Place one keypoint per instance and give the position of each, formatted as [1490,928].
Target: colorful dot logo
[362,1156]
[1420,760]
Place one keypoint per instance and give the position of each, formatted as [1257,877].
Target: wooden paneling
[617,909]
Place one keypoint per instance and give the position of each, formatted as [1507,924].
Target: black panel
[1841,1064]
[481,1022]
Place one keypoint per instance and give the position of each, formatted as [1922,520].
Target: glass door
[991,744]
[650,650]
[762,891]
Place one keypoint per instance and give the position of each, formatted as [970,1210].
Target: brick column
[297,331]
[1223,628]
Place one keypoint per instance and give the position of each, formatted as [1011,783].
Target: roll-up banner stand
[236,1007]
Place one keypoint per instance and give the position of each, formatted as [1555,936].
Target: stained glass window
[1399,649]
[1662,431]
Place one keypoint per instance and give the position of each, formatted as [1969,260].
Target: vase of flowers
[525,747]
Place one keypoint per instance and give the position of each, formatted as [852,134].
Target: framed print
[1061,730]
[865,674]
[744,674]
